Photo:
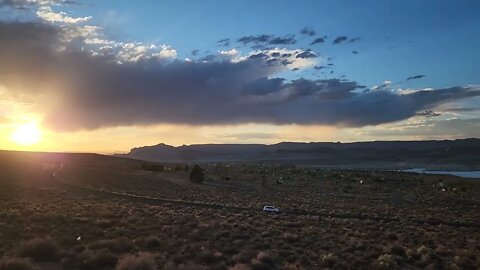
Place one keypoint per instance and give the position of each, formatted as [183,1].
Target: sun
[26,134]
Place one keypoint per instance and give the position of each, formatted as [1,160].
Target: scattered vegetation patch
[142,261]
[40,249]
[14,263]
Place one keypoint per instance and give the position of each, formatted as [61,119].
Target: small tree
[196,175]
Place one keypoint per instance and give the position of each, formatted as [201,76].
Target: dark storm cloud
[340,39]
[306,54]
[307,31]
[415,77]
[317,41]
[75,90]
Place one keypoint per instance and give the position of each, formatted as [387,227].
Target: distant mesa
[376,154]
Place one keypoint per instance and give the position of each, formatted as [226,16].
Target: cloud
[267,39]
[306,54]
[355,52]
[281,56]
[352,40]
[260,55]
[195,52]
[79,89]
[382,86]
[317,41]
[28,5]
[254,39]
[230,53]
[248,136]
[340,39]
[415,77]
[47,14]
[459,109]
[225,42]
[307,31]
[286,40]
[428,113]
[429,128]
[134,52]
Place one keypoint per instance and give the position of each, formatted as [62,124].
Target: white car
[269,208]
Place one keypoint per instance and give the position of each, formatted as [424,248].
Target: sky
[107,76]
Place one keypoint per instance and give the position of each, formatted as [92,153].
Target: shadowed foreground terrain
[85,211]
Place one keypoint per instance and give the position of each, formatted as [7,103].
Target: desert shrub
[386,261]
[207,256]
[239,266]
[196,175]
[118,245]
[99,259]
[330,259]
[39,249]
[397,250]
[218,266]
[152,242]
[263,261]
[153,167]
[71,259]
[16,264]
[261,266]
[144,261]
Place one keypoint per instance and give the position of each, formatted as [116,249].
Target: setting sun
[26,134]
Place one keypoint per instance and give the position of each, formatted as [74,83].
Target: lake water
[466,174]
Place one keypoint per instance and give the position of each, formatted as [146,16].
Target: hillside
[461,154]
